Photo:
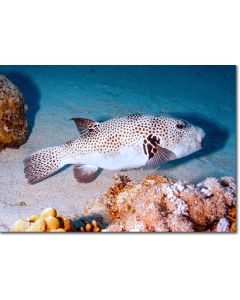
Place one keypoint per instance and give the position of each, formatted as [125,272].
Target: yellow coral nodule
[65,223]
[20,226]
[49,212]
[52,223]
[90,227]
[96,229]
[38,226]
[33,218]
[57,230]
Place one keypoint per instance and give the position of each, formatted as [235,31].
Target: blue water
[204,95]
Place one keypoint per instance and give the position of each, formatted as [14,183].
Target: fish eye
[181,125]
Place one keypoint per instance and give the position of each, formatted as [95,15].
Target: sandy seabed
[204,95]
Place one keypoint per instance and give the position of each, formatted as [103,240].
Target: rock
[13,124]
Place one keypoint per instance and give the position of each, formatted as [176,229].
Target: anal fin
[85,173]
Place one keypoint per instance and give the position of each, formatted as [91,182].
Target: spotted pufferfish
[128,142]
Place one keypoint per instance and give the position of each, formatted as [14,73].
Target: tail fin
[43,163]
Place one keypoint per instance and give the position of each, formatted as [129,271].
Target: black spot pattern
[152,142]
[42,164]
[150,153]
[129,131]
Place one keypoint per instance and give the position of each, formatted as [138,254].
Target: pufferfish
[128,142]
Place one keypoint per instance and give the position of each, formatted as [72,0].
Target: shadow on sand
[31,94]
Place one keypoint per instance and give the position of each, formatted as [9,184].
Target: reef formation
[13,124]
[159,204]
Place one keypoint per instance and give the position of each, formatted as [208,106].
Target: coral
[38,226]
[159,204]
[50,221]
[89,227]
[20,226]
[122,184]
[231,216]
[47,221]
[179,223]
[48,212]
[155,179]
[13,125]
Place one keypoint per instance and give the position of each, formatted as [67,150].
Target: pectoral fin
[83,125]
[158,156]
[85,173]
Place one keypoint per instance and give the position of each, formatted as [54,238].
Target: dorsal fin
[84,125]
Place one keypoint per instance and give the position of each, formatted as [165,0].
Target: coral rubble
[13,125]
[159,204]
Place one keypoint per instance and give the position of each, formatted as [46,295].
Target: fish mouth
[201,144]
[201,138]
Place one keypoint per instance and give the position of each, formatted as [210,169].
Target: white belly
[127,158]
